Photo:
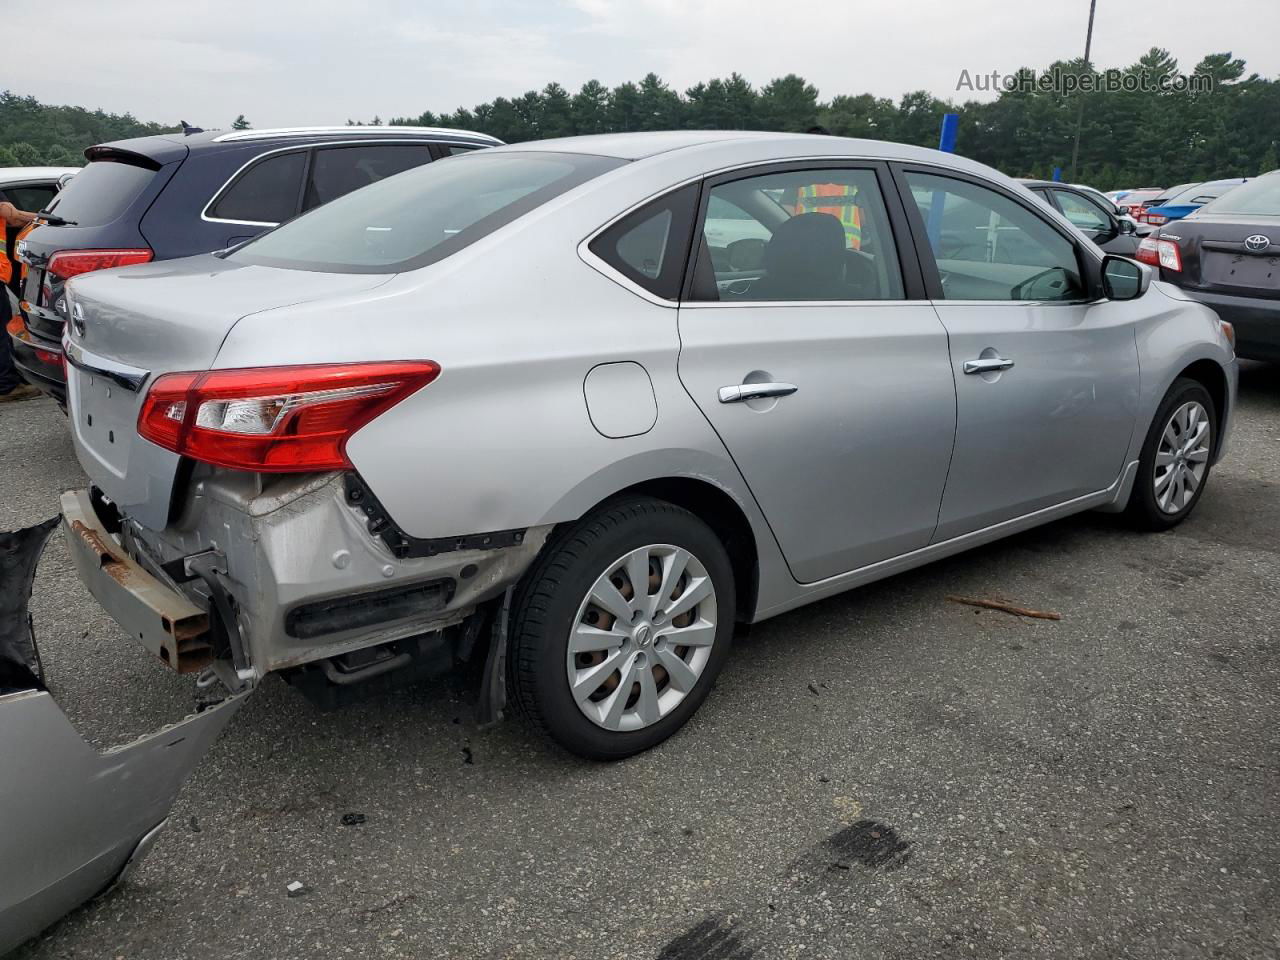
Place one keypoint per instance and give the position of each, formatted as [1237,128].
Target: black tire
[1143,510]
[546,607]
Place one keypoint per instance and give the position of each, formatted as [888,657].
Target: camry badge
[1257,242]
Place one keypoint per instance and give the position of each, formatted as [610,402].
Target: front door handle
[987,365]
[755,391]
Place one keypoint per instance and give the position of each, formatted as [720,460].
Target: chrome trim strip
[131,378]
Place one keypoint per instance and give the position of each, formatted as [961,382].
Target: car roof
[14,174]
[166,147]
[641,146]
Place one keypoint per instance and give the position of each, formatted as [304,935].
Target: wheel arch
[1210,375]
[718,509]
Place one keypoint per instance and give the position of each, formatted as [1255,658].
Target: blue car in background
[1193,197]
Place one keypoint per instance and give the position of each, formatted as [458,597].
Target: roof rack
[238,135]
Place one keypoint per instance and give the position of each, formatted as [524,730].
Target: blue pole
[947,137]
[1057,174]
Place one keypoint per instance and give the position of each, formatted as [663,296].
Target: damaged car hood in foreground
[75,820]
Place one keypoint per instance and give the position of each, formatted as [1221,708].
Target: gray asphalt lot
[884,774]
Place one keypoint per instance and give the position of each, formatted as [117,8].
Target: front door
[1046,381]
[830,389]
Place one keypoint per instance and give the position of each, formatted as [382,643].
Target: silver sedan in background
[574,408]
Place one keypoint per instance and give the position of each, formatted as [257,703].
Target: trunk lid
[131,325]
[1217,256]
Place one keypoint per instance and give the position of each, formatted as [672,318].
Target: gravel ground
[884,774]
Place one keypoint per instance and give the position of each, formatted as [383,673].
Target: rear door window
[799,235]
[339,170]
[266,193]
[101,192]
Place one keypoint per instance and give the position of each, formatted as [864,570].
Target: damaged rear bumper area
[76,819]
[303,575]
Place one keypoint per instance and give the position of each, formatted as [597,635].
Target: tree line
[1154,134]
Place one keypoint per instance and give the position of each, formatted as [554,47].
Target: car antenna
[188,130]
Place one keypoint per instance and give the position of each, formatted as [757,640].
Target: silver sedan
[573,409]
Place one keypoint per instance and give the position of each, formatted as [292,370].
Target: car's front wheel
[1175,463]
[621,628]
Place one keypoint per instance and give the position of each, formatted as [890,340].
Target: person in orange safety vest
[837,199]
[11,386]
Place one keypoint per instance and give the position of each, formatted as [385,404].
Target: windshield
[1260,197]
[423,215]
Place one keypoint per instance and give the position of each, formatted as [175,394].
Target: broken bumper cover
[76,818]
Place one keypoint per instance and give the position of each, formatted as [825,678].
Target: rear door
[806,344]
[1046,380]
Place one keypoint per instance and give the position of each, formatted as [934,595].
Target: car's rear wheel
[621,628]
[1175,463]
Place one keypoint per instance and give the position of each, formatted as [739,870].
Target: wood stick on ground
[1006,607]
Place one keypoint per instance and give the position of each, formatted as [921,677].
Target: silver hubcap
[1182,457]
[642,637]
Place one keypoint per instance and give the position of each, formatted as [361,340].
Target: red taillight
[71,263]
[275,419]
[1170,256]
[1160,253]
[1155,219]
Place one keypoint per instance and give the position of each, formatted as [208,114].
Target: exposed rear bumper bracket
[164,621]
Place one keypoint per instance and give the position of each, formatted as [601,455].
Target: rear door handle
[987,365]
[755,391]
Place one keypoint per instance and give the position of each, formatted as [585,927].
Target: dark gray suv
[175,195]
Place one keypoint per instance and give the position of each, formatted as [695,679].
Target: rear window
[1200,193]
[101,192]
[423,215]
[1259,197]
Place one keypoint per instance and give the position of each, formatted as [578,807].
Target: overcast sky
[293,62]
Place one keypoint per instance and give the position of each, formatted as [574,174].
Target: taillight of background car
[1160,253]
[71,263]
[275,419]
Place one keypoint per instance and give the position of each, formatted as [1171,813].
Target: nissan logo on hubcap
[1257,242]
[642,636]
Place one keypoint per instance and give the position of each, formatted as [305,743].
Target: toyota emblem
[77,318]
[1257,242]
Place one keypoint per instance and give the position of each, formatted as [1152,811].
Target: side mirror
[1124,279]
[1127,226]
